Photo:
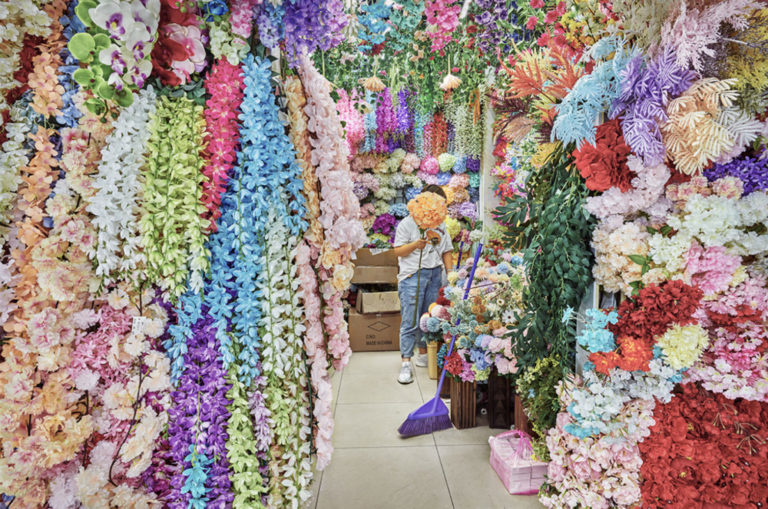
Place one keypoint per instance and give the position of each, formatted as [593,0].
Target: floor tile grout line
[445,477]
[319,487]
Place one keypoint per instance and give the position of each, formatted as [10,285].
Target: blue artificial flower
[567,315]
[214,8]
[589,366]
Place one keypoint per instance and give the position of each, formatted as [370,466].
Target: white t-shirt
[408,232]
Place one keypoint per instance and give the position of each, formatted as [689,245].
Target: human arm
[448,261]
[406,249]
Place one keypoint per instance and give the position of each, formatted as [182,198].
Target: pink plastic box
[511,459]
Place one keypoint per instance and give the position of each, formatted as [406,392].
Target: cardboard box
[371,274]
[377,302]
[374,333]
[376,258]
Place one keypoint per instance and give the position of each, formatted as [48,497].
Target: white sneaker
[420,361]
[405,376]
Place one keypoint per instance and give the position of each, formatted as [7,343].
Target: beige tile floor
[373,468]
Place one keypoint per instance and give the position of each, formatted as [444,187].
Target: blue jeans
[429,288]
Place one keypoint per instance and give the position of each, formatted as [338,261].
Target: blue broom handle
[458,320]
[461,248]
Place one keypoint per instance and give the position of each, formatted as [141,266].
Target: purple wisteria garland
[197,425]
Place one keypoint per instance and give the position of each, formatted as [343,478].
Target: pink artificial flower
[537,4]
[532,22]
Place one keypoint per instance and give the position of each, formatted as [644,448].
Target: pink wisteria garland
[308,252]
[225,85]
[339,207]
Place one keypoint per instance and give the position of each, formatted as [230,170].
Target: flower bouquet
[482,341]
[428,211]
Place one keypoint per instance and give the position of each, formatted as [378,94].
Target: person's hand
[420,244]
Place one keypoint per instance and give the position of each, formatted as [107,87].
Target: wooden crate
[432,370]
[500,397]
[463,405]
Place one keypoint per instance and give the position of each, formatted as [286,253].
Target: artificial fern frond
[527,77]
[592,94]
[704,126]
[692,32]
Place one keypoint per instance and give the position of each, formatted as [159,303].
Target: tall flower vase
[432,370]
[463,404]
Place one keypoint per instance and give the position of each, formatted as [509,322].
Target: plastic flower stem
[461,249]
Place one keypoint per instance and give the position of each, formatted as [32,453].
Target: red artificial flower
[453,364]
[551,17]
[604,163]
[537,4]
[706,451]
[656,308]
[531,24]
[543,40]
[635,354]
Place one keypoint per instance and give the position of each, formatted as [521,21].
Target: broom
[433,415]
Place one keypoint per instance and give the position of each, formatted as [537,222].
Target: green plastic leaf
[83,77]
[102,41]
[82,46]
[666,230]
[105,91]
[638,259]
[95,106]
[651,230]
[82,11]
[124,98]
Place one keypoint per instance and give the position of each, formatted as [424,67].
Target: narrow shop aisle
[373,468]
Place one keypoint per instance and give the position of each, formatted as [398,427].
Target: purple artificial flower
[404,113]
[199,417]
[473,164]
[310,24]
[360,190]
[752,171]
[384,224]
[642,103]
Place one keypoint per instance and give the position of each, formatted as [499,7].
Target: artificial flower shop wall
[185,185]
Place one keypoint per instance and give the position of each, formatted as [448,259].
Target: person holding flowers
[423,247]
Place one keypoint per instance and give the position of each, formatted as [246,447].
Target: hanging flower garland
[118,193]
[443,18]
[339,207]
[197,426]
[172,229]
[284,369]
[224,84]
[13,157]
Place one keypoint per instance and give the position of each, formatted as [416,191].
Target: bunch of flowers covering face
[597,472]
[706,450]
[117,44]
[428,210]
[482,341]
